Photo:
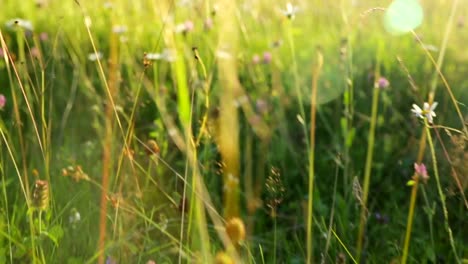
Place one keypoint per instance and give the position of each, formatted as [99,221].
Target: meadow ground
[202,131]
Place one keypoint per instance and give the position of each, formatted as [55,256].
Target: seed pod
[41,195]
[235,229]
[223,258]
[152,147]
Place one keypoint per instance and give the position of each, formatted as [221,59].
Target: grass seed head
[223,258]
[40,197]
[235,229]
[152,148]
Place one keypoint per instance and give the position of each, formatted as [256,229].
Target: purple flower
[266,57]
[2,101]
[421,171]
[110,260]
[383,83]
[208,24]
[185,27]
[35,52]
[381,218]
[255,59]
[44,36]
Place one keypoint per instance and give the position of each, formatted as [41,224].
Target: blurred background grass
[75,97]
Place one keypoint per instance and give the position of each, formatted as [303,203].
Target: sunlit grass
[231,132]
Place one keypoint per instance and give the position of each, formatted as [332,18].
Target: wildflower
[151,262]
[43,36]
[426,112]
[35,52]
[2,101]
[110,260]
[235,229]
[185,27]
[22,23]
[208,24]
[266,57]
[74,217]
[119,29]
[383,83]
[461,22]
[166,55]
[381,218]
[421,171]
[185,3]
[108,5]
[290,11]
[221,54]
[95,56]
[255,59]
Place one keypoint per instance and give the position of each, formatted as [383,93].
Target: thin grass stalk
[439,189]
[369,156]
[414,193]
[107,146]
[422,142]
[313,110]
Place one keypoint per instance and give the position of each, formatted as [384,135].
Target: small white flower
[290,11]
[166,55]
[75,217]
[88,21]
[108,5]
[426,112]
[430,47]
[153,56]
[25,24]
[95,56]
[221,54]
[119,29]
[185,27]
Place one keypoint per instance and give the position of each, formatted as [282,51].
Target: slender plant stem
[439,189]
[370,152]
[274,236]
[313,111]
[414,194]
[367,172]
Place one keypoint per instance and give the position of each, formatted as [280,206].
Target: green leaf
[55,233]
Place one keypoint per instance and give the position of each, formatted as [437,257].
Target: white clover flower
[185,27]
[290,11]
[426,112]
[74,217]
[166,55]
[221,54]
[25,24]
[108,5]
[95,56]
[119,29]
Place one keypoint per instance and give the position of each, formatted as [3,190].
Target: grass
[179,132]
